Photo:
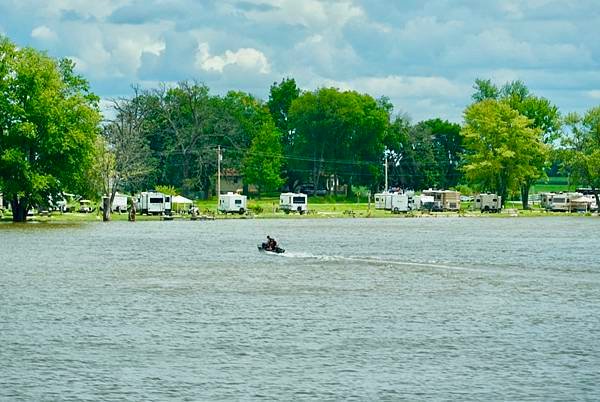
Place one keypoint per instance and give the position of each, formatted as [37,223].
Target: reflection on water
[444,308]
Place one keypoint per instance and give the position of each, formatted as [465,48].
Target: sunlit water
[364,309]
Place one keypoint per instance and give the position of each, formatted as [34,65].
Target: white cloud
[312,14]
[406,86]
[43,33]
[245,58]
[594,94]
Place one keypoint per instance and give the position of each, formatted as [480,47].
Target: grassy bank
[267,208]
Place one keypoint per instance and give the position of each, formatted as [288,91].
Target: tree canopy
[49,121]
[501,147]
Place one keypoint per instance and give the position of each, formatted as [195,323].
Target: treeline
[53,139]
[294,138]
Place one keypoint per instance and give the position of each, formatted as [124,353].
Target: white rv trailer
[400,203]
[154,203]
[487,202]
[561,202]
[444,200]
[232,203]
[423,202]
[293,202]
[546,200]
[119,203]
[383,200]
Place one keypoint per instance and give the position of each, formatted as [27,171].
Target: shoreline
[66,218]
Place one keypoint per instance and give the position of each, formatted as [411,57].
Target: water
[373,309]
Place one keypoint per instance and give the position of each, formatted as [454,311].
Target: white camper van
[119,203]
[488,202]
[232,203]
[562,201]
[293,202]
[400,203]
[383,200]
[154,203]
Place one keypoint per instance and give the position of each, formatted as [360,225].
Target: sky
[424,55]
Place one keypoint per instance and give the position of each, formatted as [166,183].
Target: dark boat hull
[276,250]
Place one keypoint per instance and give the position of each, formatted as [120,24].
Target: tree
[501,147]
[49,122]
[543,115]
[263,161]
[124,158]
[484,89]
[281,97]
[338,135]
[583,148]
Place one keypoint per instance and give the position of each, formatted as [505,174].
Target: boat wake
[379,261]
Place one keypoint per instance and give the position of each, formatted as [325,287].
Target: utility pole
[219,157]
[386,173]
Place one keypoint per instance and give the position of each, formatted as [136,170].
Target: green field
[554,184]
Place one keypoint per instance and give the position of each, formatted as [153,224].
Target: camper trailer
[400,203]
[546,200]
[119,203]
[232,203]
[154,203]
[444,200]
[293,202]
[561,202]
[488,202]
[383,200]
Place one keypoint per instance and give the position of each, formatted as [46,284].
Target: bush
[255,207]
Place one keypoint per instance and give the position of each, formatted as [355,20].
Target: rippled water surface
[373,309]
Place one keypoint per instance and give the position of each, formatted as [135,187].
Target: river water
[356,309]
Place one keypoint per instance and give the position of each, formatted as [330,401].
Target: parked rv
[383,200]
[119,203]
[154,203]
[444,200]
[400,203]
[561,202]
[232,203]
[488,202]
[546,200]
[293,202]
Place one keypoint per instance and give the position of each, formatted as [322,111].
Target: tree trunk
[131,216]
[19,209]
[595,190]
[105,209]
[525,195]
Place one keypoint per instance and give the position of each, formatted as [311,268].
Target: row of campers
[288,202]
[434,200]
[568,202]
[430,200]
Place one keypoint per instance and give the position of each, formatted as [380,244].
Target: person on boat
[271,243]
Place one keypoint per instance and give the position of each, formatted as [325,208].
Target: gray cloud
[423,55]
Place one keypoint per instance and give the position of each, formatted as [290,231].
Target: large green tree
[501,147]
[49,121]
[583,148]
[263,160]
[338,135]
[542,113]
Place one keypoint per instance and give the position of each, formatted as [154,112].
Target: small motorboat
[264,248]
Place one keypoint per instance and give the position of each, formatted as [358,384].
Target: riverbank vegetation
[53,140]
